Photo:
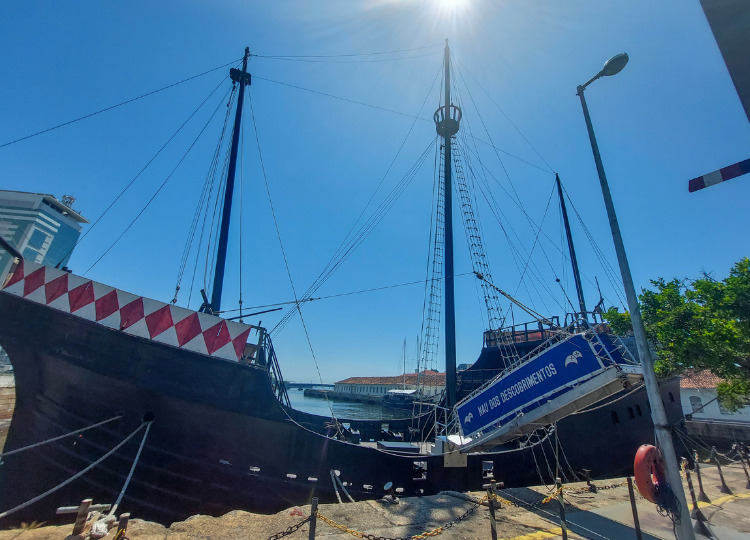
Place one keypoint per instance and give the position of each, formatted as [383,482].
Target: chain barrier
[434,532]
[290,530]
[422,536]
[593,489]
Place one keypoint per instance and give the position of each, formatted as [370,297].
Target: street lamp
[663,436]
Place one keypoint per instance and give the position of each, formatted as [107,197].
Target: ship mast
[243,77]
[447,123]
[571,249]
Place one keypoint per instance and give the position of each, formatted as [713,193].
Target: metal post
[659,415]
[696,513]
[450,307]
[122,524]
[563,523]
[589,485]
[491,506]
[221,253]
[313,518]
[636,521]
[742,460]
[724,488]
[702,497]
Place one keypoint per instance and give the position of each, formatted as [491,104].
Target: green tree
[700,324]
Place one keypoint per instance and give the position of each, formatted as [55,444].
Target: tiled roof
[700,379]
[430,378]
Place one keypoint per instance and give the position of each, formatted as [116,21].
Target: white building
[431,383]
[698,397]
[42,228]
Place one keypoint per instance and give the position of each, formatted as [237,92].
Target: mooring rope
[132,469]
[72,478]
[53,439]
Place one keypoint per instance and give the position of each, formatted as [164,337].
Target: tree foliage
[700,324]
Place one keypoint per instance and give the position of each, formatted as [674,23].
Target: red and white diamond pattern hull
[135,315]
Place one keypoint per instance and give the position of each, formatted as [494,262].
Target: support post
[696,513]
[738,448]
[122,524]
[313,518]
[81,515]
[636,521]
[491,506]
[702,497]
[724,488]
[662,430]
[561,502]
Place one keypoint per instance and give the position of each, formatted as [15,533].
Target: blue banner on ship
[550,374]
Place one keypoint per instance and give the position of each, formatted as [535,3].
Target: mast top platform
[447,120]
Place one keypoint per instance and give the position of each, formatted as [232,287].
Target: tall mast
[571,249]
[447,122]
[243,77]
[404,363]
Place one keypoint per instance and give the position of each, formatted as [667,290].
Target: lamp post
[663,435]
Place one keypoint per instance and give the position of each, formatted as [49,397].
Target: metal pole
[738,448]
[571,249]
[701,494]
[450,307]
[563,523]
[696,513]
[724,488]
[221,253]
[313,518]
[491,506]
[636,521]
[661,427]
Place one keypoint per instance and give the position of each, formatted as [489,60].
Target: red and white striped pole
[716,177]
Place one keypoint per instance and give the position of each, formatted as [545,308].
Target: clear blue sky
[671,115]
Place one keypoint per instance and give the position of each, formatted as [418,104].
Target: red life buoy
[649,472]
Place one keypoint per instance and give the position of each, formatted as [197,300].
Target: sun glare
[452,4]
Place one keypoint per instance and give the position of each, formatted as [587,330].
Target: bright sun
[452,4]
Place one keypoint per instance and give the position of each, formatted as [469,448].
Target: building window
[723,410]
[696,404]
[615,418]
[631,413]
[638,410]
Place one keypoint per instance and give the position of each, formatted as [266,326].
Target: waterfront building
[699,398]
[44,229]
[705,417]
[431,383]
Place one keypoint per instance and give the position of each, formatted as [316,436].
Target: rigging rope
[345,55]
[118,105]
[286,262]
[157,191]
[132,470]
[202,200]
[352,240]
[325,61]
[72,478]
[89,229]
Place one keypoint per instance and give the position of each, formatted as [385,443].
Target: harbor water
[342,409]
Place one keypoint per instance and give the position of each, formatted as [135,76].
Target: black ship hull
[220,439]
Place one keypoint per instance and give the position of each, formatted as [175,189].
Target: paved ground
[596,516]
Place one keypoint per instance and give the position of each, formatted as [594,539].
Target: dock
[602,514]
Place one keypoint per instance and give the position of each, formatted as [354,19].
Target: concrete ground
[596,516]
